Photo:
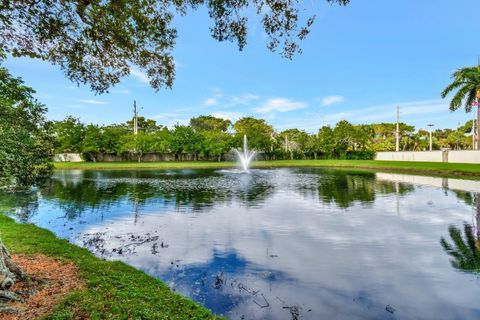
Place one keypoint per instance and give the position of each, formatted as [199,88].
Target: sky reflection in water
[275,244]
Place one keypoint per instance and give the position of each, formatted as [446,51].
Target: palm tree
[466,82]
[464,252]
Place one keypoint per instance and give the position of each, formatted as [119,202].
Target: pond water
[275,244]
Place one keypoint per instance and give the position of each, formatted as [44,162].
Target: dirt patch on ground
[49,280]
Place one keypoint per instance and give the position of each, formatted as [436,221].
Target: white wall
[67,157]
[425,156]
[466,156]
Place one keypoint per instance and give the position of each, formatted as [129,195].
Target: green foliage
[208,138]
[138,144]
[464,251]
[69,135]
[466,83]
[26,141]
[184,140]
[92,143]
[259,133]
[210,123]
[344,136]
[143,124]
[97,42]
[111,138]
[360,155]
[162,140]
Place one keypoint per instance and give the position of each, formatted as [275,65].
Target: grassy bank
[114,290]
[429,168]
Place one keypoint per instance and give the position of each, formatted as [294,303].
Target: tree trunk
[9,274]
[478,124]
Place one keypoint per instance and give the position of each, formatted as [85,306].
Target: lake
[291,243]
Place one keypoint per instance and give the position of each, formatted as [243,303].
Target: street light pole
[431,125]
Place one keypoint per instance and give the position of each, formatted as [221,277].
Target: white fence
[464,156]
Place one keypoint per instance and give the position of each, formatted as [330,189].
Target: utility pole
[431,125]
[397,133]
[135,123]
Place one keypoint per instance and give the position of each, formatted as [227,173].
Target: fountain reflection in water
[245,156]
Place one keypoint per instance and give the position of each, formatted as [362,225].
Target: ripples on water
[274,244]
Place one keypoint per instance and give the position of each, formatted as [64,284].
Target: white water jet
[245,156]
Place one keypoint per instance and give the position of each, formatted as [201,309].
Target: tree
[98,42]
[148,125]
[326,140]
[25,135]
[92,143]
[210,123]
[184,140]
[258,132]
[25,152]
[466,83]
[69,134]
[138,144]
[111,138]
[456,140]
[344,135]
[162,140]
[294,141]
[216,143]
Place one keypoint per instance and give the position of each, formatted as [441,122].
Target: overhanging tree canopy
[96,42]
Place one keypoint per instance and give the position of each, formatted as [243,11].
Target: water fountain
[245,156]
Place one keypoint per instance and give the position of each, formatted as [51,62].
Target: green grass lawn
[432,168]
[114,290]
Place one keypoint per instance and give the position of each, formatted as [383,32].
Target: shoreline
[457,170]
[113,289]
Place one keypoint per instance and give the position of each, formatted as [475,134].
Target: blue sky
[358,64]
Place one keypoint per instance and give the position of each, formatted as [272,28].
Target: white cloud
[211,102]
[232,116]
[243,99]
[409,111]
[215,98]
[166,116]
[91,101]
[140,75]
[280,105]
[417,113]
[328,101]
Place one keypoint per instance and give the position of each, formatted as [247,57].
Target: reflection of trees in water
[99,191]
[93,191]
[464,250]
[74,198]
[344,188]
[21,204]
[472,199]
